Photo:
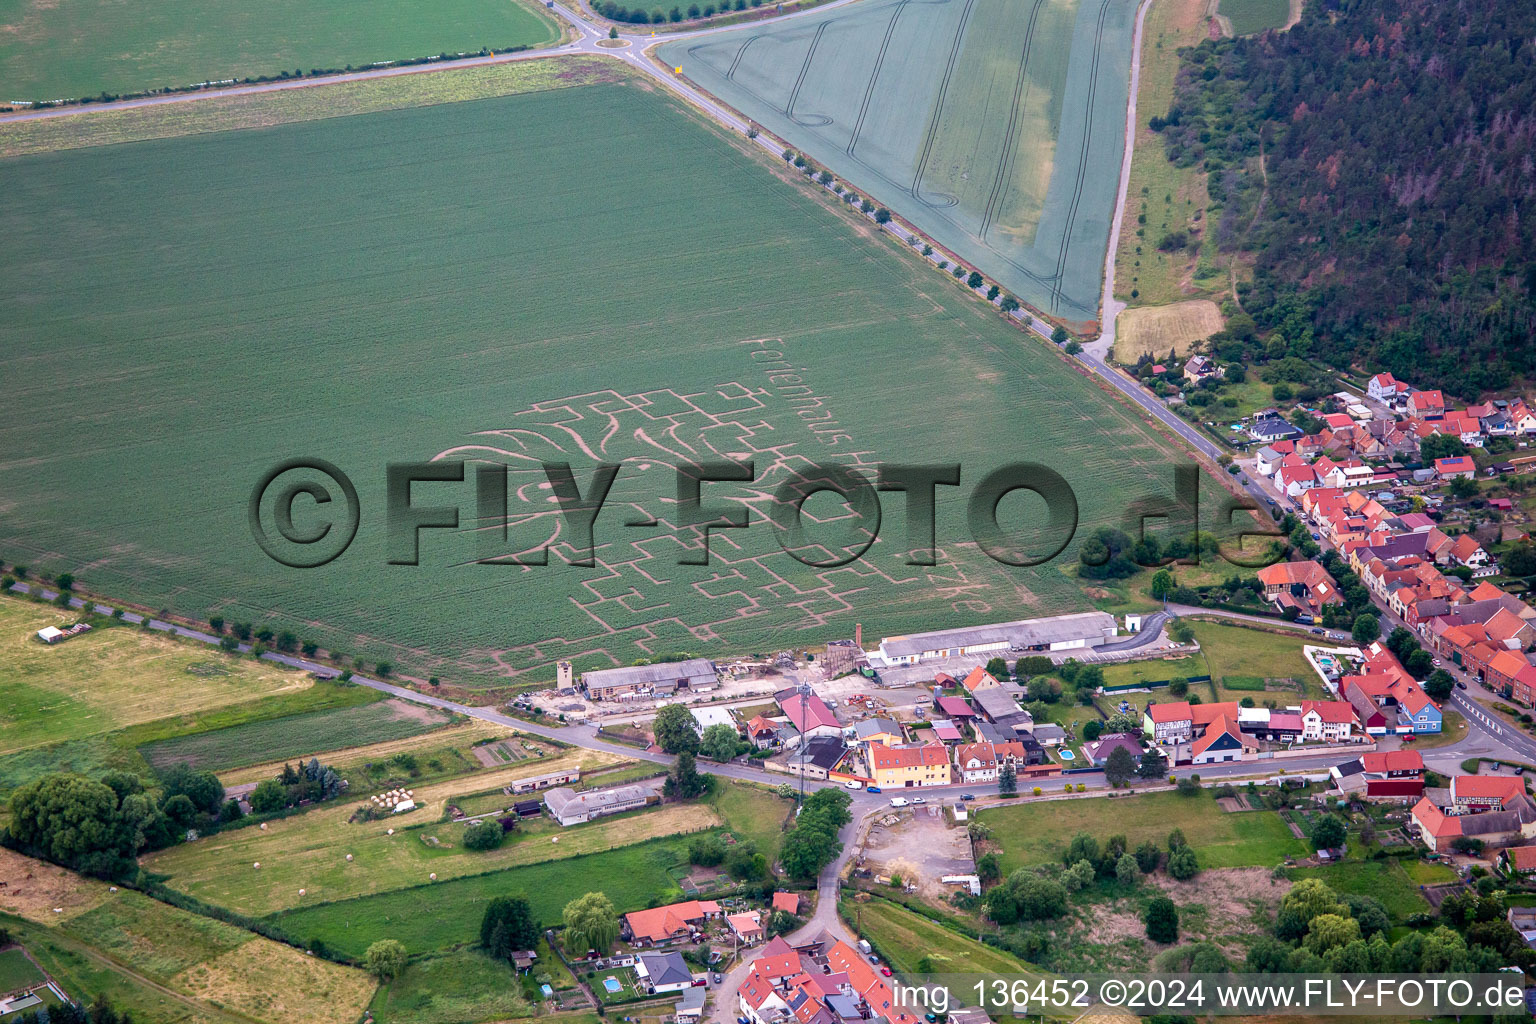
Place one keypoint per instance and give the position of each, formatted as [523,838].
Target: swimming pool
[1066,755]
[612,984]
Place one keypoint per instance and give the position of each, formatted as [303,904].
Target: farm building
[1057,633]
[548,779]
[640,681]
[569,807]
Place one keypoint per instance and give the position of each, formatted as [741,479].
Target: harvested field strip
[1158,330]
[1249,16]
[111,677]
[62,51]
[264,110]
[456,738]
[301,736]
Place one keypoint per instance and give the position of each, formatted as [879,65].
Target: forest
[1377,161]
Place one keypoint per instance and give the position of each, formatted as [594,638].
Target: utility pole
[805,739]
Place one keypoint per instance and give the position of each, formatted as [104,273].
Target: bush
[484,835]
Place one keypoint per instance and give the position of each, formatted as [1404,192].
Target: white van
[898,801]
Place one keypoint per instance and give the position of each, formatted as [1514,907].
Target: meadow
[113,677]
[450,989]
[297,736]
[66,51]
[904,938]
[445,915]
[1386,880]
[308,851]
[1237,659]
[119,750]
[165,964]
[1161,196]
[1038,833]
[429,309]
[996,127]
[1249,16]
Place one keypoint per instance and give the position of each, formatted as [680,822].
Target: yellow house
[908,767]
[879,730]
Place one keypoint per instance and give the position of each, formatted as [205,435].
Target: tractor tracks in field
[1082,156]
[1010,137]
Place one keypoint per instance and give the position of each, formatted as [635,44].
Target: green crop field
[995,126]
[51,51]
[1037,833]
[449,290]
[1250,16]
[300,736]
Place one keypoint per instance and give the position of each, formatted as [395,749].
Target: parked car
[919,800]
[967,796]
[1460,685]
[1318,632]
[1435,662]
[854,784]
[718,978]
[885,971]
[873,789]
[898,801]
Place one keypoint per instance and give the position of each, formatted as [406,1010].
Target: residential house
[1168,723]
[879,730]
[1272,428]
[1426,405]
[1517,860]
[908,766]
[1465,550]
[1098,752]
[762,732]
[690,1008]
[1386,388]
[869,986]
[663,972]
[1305,586]
[747,927]
[815,758]
[809,715]
[1328,721]
[789,902]
[1493,809]
[1221,741]
[759,1000]
[1456,467]
[664,924]
[1198,368]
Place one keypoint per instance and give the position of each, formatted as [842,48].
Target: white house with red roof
[1327,721]
[1386,388]
[1168,723]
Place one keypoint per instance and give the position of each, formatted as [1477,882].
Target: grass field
[1250,16]
[455,988]
[308,851]
[1384,879]
[1162,197]
[442,753]
[1037,833]
[120,750]
[113,677]
[57,51]
[1245,656]
[460,337]
[17,972]
[905,937]
[447,915]
[123,945]
[1158,330]
[300,736]
[994,126]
